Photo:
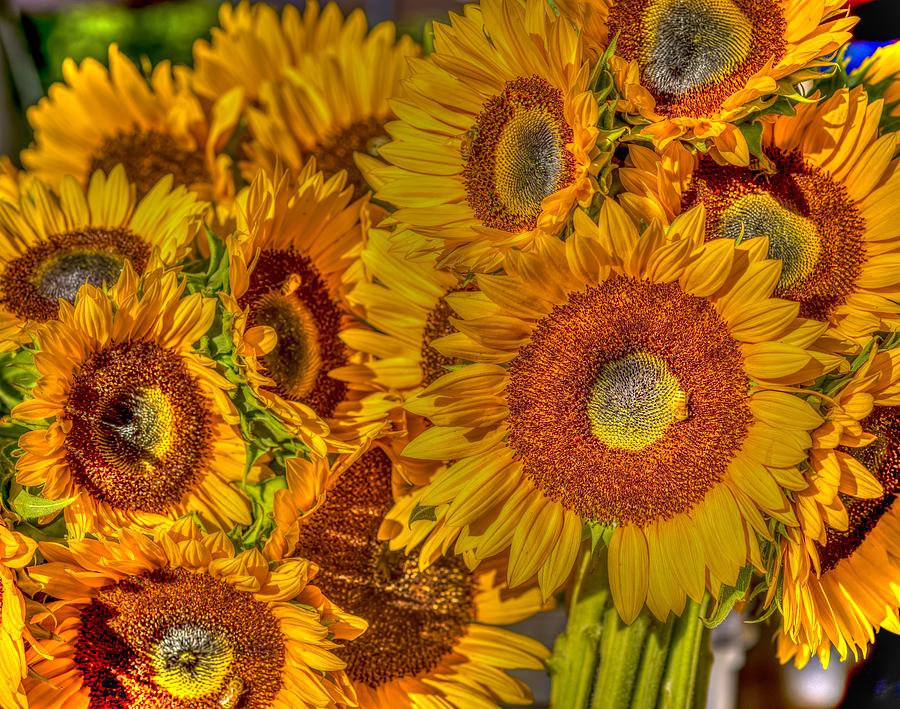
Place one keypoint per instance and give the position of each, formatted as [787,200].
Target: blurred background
[35,37]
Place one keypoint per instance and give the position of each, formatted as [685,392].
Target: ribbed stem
[601,663]
[577,649]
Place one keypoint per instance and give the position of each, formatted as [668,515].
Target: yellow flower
[828,205]
[16,551]
[293,259]
[183,620]
[431,639]
[101,117]
[881,72]
[840,568]
[253,47]
[496,133]
[691,69]
[330,105]
[139,427]
[51,243]
[642,381]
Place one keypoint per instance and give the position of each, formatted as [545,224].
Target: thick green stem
[686,679]
[576,652]
[601,663]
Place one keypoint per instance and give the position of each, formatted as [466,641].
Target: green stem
[653,662]
[686,678]
[599,662]
[576,651]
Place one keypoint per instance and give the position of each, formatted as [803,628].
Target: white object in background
[814,687]
[730,642]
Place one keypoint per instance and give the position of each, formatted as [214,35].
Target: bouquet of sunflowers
[328,357]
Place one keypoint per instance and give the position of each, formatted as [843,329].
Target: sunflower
[331,105]
[52,243]
[839,569]
[431,640]
[691,69]
[880,74]
[16,551]
[496,137]
[253,46]
[293,259]
[826,200]
[140,429]
[101,117]
[636,381]
[182,620]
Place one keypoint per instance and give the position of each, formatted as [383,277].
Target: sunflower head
[880,74]
[293,260]
[350,84]
[631,385]
[690,69]
[836,569]
[183,620]
[422,621]
[154,128]
[51,243]
[822,192]
[127,418]
[496,137]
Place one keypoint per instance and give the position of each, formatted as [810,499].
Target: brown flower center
[148,156]
[882,458]
[335,153]
[813,226]
[693,54]
[629,402]
[288,294]
[140,427]
[172,638]
[32,284]
[517,155]
[415,617]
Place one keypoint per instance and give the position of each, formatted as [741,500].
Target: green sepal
[728,597]
[29,506]
[262,499]
[215,278]
[600,534]
[18,375]
[420,512]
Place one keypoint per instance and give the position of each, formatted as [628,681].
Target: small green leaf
[420,512]
[30,506]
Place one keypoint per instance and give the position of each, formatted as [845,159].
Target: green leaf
[601,534]
[728,596]
[420,512]
[30,506]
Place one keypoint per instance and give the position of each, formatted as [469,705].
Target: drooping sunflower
[182,620]
[826,200]
[431,640]
[293,259]
[331,105]
[16,551]
[52,243]
[496,136]
[139,429]
[641,381]
[99,117]
[840,567]
[253,46]
[690,69]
